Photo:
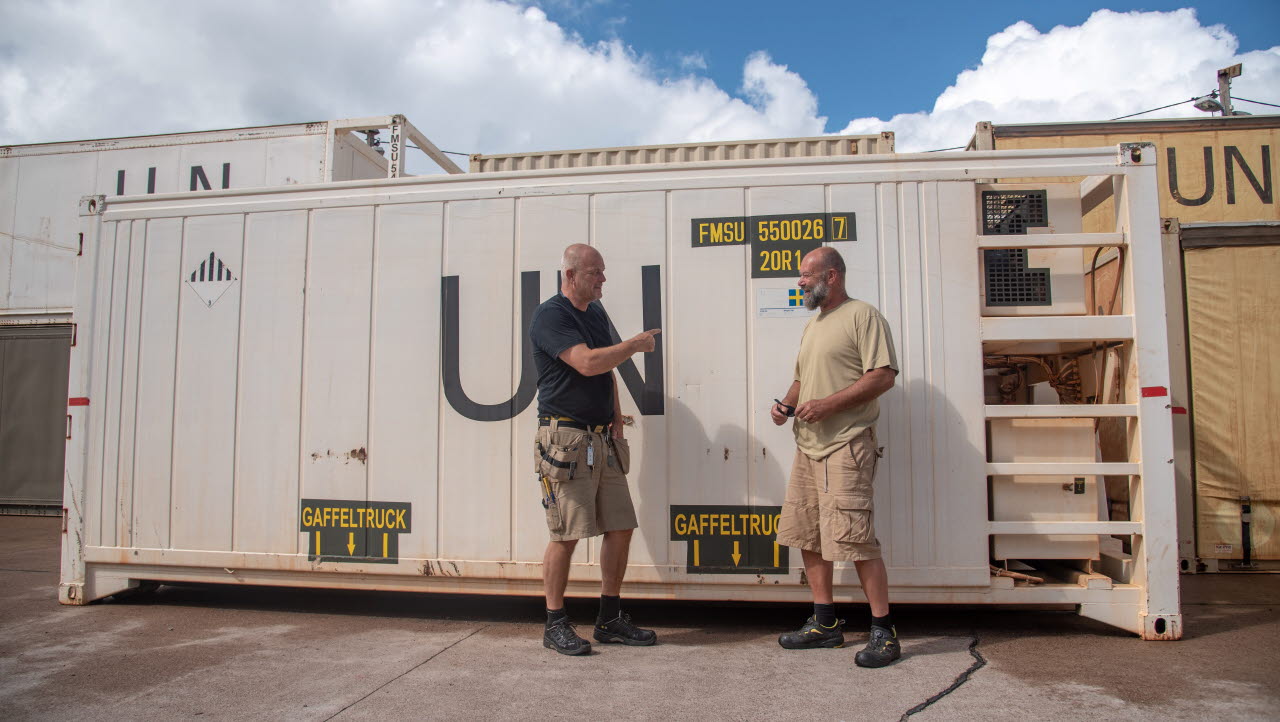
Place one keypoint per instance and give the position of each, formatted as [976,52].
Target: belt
[569,423]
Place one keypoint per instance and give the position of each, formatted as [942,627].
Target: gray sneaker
[814,636]
[620,629]
[881,650]
[562,637]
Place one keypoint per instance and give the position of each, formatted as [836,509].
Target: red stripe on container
[1149,391]
[78,401]
[1179,410]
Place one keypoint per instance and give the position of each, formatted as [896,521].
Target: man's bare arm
[595,361]
[872,384]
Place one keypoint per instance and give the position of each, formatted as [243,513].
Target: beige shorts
[583,499]
[828,508]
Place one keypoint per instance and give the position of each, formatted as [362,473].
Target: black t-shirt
[562,391]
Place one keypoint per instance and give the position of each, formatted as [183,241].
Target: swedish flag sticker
[795,297]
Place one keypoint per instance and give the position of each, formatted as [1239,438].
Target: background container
[40,190]
[824,145]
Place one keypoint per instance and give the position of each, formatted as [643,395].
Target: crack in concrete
[375,690]
[978,663]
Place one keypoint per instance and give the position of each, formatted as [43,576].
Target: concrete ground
[216,652]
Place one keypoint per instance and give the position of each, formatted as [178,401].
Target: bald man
[846,362]
[581,455]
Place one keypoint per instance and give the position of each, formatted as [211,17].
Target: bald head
[827,257]
[583,280]
[578,256]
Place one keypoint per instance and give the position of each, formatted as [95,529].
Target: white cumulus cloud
[475,76]
[1113,64]
[492,76]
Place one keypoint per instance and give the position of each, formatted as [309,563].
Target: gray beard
[816,295]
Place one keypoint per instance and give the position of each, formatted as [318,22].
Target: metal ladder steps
[1053,240]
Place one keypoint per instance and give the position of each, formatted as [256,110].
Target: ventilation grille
[1011,283]
[1011,213]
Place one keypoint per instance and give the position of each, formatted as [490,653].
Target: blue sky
[497,76]
[865,58]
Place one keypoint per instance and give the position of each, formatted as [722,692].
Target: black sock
[825,613]
[555,615]
[610,607]
[886,621]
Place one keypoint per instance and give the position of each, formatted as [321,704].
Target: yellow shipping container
[1212,170]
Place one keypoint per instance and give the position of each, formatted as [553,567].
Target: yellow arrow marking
[384,546]
[775,554]
[696,563]
[351,543]
[317,543]
[736,556]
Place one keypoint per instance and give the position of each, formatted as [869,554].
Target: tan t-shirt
[837,347]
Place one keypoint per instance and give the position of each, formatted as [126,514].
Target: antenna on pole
[1224,86]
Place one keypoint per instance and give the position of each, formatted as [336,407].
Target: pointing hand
[643,342]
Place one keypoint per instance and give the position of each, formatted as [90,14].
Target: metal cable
[1144,112]
[1065,381]
[1259,102]
[450,152]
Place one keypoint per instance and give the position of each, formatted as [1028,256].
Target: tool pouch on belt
[558,462]
[621,454]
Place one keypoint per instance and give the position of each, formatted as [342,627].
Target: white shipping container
[332,386]
[41,186]
[40,190]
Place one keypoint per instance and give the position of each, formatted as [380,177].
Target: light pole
[1224,86]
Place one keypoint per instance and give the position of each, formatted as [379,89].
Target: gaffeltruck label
[354,531]
[730,539]
[778,242]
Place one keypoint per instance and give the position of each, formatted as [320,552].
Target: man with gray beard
[846,362]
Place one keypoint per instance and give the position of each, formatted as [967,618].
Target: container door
[1234,346]
[33,397]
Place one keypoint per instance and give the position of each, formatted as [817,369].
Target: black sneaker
[813,635]
[620,629]
[881,649]
[562,637]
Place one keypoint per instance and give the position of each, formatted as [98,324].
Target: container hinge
[1137,153]
[92,205]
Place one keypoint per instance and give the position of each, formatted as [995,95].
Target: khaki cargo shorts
[828,508]
[583,499]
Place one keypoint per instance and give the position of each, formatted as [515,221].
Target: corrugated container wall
[825,145]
